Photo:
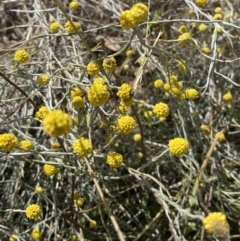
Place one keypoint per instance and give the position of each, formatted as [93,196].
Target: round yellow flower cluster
[33,211]
[54,27]
[38,190]
[137,14]
[21,56]
[92,223]
[78,102]
[109,63]
[125,94]
[43,79]
[137,137]
[216,224]
[25,145]
[56,123]
[69,28]
[114,159]
[55,146]
[205,49]
[178,146]
[74,5]
[201,3]
[228,96]
[79,201]
[122,109]
[36,234]
[158,83]
[126,124]
[76,91]
[220,137]
[191,94]
[182,67]
[184,38]
[205,129]
[93,68]
[218,16]
[82,146]
[8,141]
[98,93]
[13,238]
[161,110]
[41,113]
[202,27]
[183,29]
[218,10]
[50,170]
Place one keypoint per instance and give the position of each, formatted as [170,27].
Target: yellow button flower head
[25,145]
[36,234]
[78,102]
[218,10]
[125,91]
[55,146]
[228,96]
[8,141]
[41,113]
[56,123]
[191,94]
[74,238]
[76,91]
[202,27]
[43,79]
[184,38]
[183,29]
[220,137]
[205,129]
[93,68]
[127,19]
[205,50]
[82,146]
[140,11]
[79,201]
[216,224]
[127,102]
[178,146]
[114,159]
[109,64]
[38,190]
[201,3]
[126,124]
[218,16]
[137,137]
[161,110]
[167,86]
[50,170]
[158,83]
[122,109]
[69,28]
[182,67]
[129,53]
[21,56]
[54,27]
[92,224]
[74,5]
[175,91]
[98,93]
[13,238]
[125,94]
[33,211]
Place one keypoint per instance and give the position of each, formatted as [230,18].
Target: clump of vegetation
[119,121]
